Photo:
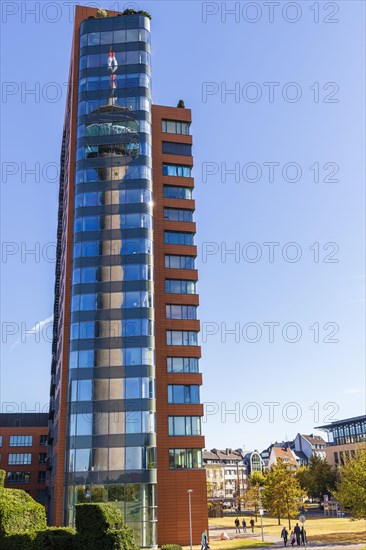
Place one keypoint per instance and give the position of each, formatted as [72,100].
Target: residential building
[285,454]
[345,437]
[253,462]
[125,411]
[23,452]
[226,476]
[306,446]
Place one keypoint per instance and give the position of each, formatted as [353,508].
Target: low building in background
[345,437]
[306,446]
[284,453]
[23,452]
[226,476]
[253,462]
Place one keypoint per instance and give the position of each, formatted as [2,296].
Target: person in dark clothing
[244,524]
[252,524]
[297,532]
[237,525]
[284,536]
[303,535]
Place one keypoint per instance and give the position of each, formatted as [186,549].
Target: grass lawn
[233,544]
[318,529]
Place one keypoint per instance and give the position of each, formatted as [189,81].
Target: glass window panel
[133,356]
[84,424]
[116,388]
[86,358]
[100,389]
[93,39]
[117,458]
[133,458]
[106,37]
[84,390]
[133,421]
[100,459]
[82,460]
[133,388]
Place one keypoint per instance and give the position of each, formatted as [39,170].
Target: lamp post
[261,511]
[190,491]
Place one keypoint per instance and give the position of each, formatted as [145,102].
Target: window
[41,477]
[20,441]
[179,262]
[176,215]
[184,425]
[182,364]
[19,458]
[18,477]
[185,458]
[176,286]
[176,237]
[1,440]
[181,338]
[175,127]
[173,148]
[42,457]
[177,192]
[43,440]
[183,394]
[181,312]
[177,170]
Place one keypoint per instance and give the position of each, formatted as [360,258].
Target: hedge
[171,547]
[101,526]
[19,513]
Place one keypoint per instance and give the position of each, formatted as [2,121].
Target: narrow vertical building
[125,413]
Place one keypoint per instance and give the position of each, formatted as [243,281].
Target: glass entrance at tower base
[136,502]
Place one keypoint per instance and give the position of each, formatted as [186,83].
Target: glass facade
[111,433]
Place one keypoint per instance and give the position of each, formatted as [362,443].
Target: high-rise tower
[125,413]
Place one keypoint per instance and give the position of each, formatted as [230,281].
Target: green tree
[282,495]
[318,479]
[351,488]
[252,495]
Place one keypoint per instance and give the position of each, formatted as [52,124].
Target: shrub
[56,538]
[17,542]
[97,518]
[101,526]
[171,547]
[134,12]
[101,13]
[19,513]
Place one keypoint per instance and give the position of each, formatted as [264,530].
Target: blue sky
[315,118]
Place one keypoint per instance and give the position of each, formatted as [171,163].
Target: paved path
[216,530]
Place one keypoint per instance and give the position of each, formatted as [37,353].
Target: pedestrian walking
[237,525]
[303,535]
[244,524]
[292,538]
[252,524]
[297,532]
[204,544]
[284,536]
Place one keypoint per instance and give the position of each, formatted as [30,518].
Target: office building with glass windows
[125,412]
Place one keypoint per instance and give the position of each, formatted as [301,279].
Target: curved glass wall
[111,439]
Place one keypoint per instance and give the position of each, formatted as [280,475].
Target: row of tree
[282,491]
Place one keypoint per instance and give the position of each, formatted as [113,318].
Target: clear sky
[292,131]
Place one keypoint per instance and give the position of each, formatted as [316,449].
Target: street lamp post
[190,491]
[261,511]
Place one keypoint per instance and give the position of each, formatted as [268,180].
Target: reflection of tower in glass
[118,121]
